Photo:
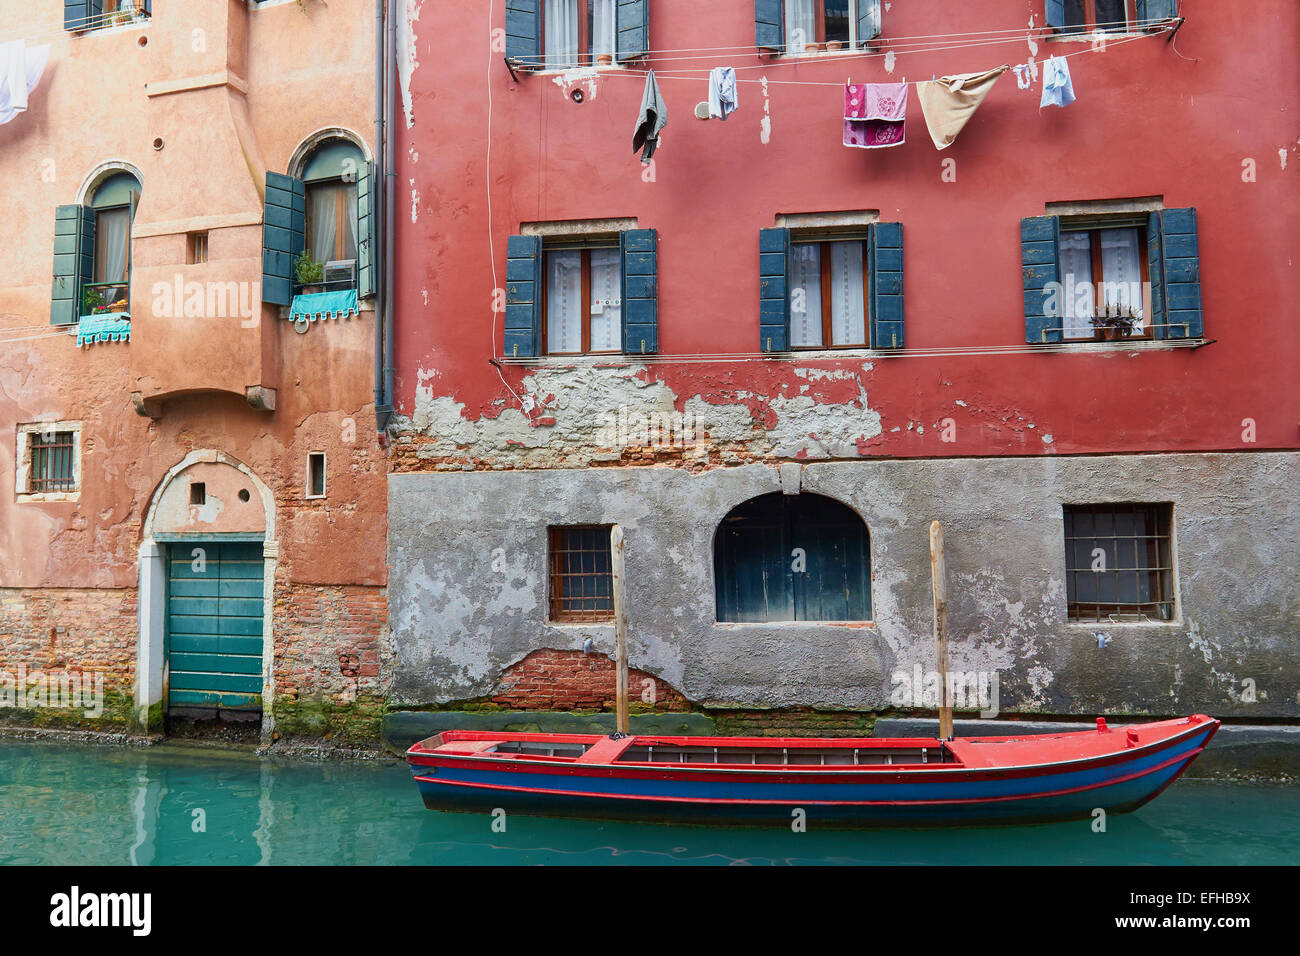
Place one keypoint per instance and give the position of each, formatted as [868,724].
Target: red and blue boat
[846,782]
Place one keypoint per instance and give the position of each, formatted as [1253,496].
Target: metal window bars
[1119,562]
[581,574]
[51,463]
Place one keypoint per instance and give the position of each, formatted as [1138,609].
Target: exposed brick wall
[571,680]
[331,650]
[91,631]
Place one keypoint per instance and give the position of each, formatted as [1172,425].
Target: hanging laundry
[652,118]
[1058,90]
[20,71]
[875,114]
[722,92]
[1023,77]
[949,102]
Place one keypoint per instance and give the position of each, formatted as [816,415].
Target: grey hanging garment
[652,118]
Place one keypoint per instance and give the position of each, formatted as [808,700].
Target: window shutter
[1181,274]
[74,261]
[1156,265]
[1157,9]
[523,297]
[886,284]
[367,194]
[633,28]
[769,25]
[524,31]
[868,21]
[82,14]
[1040,259]
[1054,13]
[640,289]
[284,236]
[773,290]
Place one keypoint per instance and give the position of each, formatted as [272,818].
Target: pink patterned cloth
[875,114]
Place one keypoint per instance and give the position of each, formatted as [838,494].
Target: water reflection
[63,804]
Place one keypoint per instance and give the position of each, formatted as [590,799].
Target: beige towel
[949,102]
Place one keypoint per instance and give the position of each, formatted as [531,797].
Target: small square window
[582,574]
[196,248]
[51,468]
[198,493]
[1119,562]
[48,461]
[316,475]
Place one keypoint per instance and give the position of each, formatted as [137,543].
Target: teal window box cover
[323,305]
[103,327]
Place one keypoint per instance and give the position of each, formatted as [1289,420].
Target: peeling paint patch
[584,77]
[1282,155]
[889,61]
[407,59]
[415,202]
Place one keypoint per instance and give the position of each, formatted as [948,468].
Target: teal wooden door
[214,624]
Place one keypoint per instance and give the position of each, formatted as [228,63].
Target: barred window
[1119,562]
[51,462]
[582,574]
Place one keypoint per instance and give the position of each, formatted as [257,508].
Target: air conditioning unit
[341,271]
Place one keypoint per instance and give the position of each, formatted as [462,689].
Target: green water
[78,805]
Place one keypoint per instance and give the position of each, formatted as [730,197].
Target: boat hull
[939,794]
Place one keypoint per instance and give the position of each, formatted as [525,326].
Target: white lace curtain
[562,33]
[847,302]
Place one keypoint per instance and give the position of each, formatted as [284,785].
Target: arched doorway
[800,557]
[207,568]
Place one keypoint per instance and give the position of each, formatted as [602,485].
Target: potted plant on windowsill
[93,302]
[309,273]
[1116,322]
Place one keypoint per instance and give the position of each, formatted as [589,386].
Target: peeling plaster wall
[457,623]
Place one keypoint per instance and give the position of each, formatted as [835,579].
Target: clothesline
[702,74]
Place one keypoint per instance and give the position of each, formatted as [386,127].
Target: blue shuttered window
[773,290]
[886,282]
[638,290]
[523,327]
[74,261]
[640,286]
[884,306]
[1175,274]
[367,195]
[1040,260]
[1180,269]
[769,23]
[1054,13]
[524,31]
[633,20]
[284,231]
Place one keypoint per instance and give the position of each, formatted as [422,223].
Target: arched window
[785,557]
[112,203]
[330,178]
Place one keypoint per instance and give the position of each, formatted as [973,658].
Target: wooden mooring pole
[620,625]
[939,584]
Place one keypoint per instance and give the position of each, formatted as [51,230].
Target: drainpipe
[379,252]
[390,185]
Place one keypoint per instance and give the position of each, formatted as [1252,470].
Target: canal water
[88,805]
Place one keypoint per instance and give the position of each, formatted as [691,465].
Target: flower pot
[812,47]
[310,289]
[833,45]
[604,59]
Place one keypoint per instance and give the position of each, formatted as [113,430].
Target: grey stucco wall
[457,622]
